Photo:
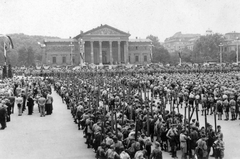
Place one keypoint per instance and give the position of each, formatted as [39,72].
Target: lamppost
[180,56]
[71,45]
[179,52]
[221,45]
[237,39]
[151,52]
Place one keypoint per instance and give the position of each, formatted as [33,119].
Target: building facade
[103,45]
[179,41]
[232,40]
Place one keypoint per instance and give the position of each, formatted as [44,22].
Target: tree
[159,54]
[30,57]
[206,48]
[26,57]
[22,56]
[186,55]
[155,41]
[24,41]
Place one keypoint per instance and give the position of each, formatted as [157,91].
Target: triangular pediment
[105,30]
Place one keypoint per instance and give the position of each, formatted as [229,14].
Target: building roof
[232,33]
[180,35]
[100,28]
[140,40]
[59,40]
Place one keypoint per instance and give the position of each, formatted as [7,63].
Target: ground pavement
[51,137]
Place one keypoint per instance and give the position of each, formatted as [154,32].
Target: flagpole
[5,54]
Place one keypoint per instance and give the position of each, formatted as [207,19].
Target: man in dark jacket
[3,113]
[30,104]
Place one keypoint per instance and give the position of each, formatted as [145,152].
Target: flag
[7,44]
[5,50]
[8,41]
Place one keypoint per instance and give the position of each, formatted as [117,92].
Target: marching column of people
[119,127]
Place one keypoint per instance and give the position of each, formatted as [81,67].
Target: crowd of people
[124,115]
[135,114]
[25,93]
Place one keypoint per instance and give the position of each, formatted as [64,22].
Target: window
[54,60]
[136,48]
[145,58]
[73,60]
[129,59]
[64,59]
[136,59]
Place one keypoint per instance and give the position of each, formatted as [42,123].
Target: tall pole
[220,52]
[237,51]
[71,45]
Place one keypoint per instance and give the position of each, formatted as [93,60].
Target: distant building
[140,51]
[179,41]
[209,32]
[103,45]
[230,43]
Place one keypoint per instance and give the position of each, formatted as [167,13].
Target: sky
[161,18]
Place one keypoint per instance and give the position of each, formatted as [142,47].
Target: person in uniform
[201,149]
[19,102]
[183,143]
[156,153]
[237,108]
[30,104]
[219,109]
[219,148]
[23,94]
[7,102]
[3,114]
[226,108]
[41,103]
[79,115]
[49,104]
[232,104]
[12,103]
[171,135]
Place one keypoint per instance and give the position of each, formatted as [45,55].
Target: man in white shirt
[19,101]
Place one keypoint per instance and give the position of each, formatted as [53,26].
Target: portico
[105,45]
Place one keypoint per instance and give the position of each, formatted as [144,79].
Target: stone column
[110,56]
[126,54]
[100,52]
[92,58]
[119,53]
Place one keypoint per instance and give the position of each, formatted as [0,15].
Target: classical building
[103,45]
[179,41]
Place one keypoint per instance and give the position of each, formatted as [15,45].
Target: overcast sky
[162,18]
